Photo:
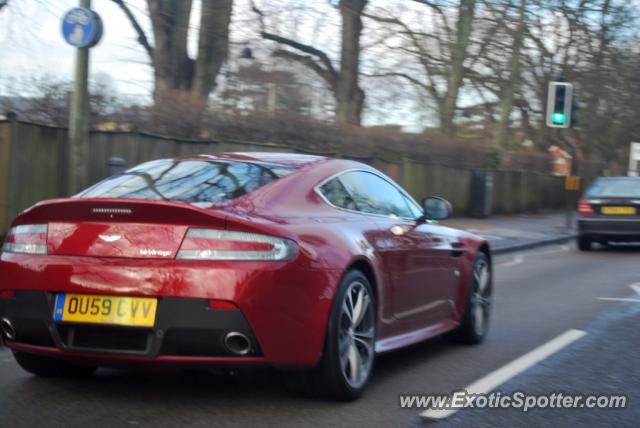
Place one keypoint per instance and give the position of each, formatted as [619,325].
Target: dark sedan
[609,212]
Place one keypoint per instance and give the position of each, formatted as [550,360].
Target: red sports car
[252,259]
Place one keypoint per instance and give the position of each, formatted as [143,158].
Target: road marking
[559,249]
[636,289]
[519,259]
[619,299]
[512,369]
[516,261]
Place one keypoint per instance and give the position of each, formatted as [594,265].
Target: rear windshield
[616,188]
[192,181]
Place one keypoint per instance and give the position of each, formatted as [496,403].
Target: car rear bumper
[183,327]
[619,228]
[283,310]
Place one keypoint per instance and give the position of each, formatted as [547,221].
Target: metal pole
[572,195]
[78,120]
[271,98]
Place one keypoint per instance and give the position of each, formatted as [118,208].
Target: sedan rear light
[213,244]
[26,239]
[584,208]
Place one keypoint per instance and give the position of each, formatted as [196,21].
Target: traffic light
[559,105]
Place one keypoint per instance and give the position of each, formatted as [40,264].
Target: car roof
[621,177]
[281,158]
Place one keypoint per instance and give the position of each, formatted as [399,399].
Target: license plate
[619,210]
[99,309]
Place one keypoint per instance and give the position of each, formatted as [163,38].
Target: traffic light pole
[78,120]
[575,170]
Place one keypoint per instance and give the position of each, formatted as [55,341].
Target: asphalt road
[539,294]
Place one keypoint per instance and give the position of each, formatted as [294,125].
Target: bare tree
[174,70]
[509,87]
[343,80]
[443,53]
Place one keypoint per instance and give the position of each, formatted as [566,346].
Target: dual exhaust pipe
[7,329]
[237,343]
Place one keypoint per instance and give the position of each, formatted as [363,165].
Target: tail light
[213,244]
[26,239]
[222,304]
[7,294]
[584,208]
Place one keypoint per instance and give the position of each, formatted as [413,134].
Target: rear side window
[192,181]
[615,188]
[337,195]
[375,195]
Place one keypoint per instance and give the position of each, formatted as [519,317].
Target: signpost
[634,159]
[81,28]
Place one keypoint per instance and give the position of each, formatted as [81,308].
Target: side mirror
[436,208]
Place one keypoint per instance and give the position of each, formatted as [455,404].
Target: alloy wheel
[481,297]
[357,334]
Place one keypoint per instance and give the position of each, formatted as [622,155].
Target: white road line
[619,299]
[516,261]
[559,249]
[512,369]
[519,259]
[636,289]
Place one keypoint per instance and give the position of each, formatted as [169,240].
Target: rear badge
[110,238]
[152,252]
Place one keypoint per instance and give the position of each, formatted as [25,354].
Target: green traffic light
[558,118]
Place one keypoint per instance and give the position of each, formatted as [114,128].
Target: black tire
[44,366]
[328,379]
[469,332]
[584,242]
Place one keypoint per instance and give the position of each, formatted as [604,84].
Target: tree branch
[405,76]
[310,62]
[323,57]
[142,37]
[328,72]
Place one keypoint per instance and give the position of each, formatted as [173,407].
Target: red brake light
[584,208]
[222,304]
[214,244]
[26,239]
[7,294]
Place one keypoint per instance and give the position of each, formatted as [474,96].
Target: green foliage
[493,158]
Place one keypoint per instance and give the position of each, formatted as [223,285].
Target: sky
[31,44]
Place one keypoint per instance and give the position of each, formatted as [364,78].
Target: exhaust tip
[7,329]
[237,343]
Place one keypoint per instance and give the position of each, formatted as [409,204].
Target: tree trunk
[506,99]
[595,123]
[175,73]
[349,96]
[173,69]
[466,12]
[213,45]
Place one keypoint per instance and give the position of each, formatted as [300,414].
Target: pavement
[539,295]
[594,363]
[517,232]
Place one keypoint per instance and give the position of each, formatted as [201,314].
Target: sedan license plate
[619,210]
[100,309]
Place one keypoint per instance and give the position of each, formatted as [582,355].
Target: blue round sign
[81,27]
